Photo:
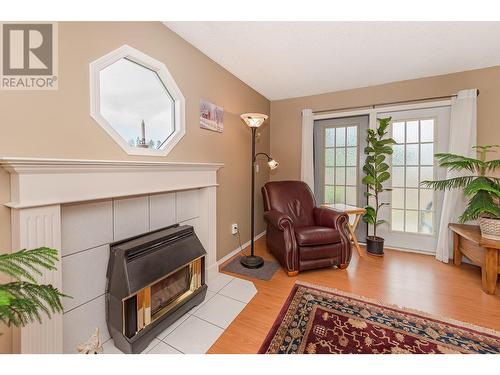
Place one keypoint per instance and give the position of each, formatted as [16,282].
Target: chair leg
[292,273]
[343,266]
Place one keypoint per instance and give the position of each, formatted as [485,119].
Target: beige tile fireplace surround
[84,206]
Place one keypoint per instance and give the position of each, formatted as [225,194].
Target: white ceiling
[289,59]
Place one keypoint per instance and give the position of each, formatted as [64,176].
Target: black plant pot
[375,246]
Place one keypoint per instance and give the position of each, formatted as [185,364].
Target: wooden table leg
[489,270]
[457,255]
[351,229]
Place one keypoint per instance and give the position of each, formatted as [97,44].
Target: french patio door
[338,157]
[413,212]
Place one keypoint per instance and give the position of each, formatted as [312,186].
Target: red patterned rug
[318,320]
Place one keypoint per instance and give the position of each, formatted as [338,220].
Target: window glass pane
[427,130]
[350,193]
[340,156]
[329,194]
[412,176]
[426,173]
[351,156]
[350,176]
[398,132]
[426,225]
[427,154]
[339,176]
[398,154]
[411,154]
[398,196]
[412,132]
[340,137]
[411,222]
[398,176]
[412,199]
[339,194]
[329,176]
[397,220]
[352,136]
[329,157]
[426,198]
[330,137]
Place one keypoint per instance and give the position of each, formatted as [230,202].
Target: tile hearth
[195,332]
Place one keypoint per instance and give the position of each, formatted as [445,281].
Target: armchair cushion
[314,236]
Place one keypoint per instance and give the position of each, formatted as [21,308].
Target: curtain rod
[389,103]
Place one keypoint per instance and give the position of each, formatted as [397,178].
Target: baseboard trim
[238,249]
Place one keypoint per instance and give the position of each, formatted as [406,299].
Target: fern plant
[376,170]
[480,188]
[23,300]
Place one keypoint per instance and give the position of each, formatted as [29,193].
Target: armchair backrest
[293,198]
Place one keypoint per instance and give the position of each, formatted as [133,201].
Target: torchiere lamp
[254,120]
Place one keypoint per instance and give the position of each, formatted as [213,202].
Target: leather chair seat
[314,236]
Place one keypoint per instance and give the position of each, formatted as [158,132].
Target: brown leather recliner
[299,234]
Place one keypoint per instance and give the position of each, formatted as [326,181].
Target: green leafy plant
[376,170]
[482,191]
[23,300]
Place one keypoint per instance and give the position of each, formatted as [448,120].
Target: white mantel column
[32,228]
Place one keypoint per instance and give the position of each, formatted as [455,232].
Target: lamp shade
[273,164]
[254,120]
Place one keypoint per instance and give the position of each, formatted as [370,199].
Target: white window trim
[161,70]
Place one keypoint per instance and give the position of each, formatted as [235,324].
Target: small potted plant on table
[481,190]
[376,173]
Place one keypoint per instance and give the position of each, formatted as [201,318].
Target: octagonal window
[137,102]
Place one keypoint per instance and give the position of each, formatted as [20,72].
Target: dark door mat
[265,272]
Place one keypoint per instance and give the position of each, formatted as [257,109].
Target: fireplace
[152,280]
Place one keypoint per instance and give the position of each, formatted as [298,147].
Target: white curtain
[307,159]
[462,138]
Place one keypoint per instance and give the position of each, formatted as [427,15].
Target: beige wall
[286,114]
[58,125]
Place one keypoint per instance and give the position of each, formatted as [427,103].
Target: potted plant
[481,190]
[23,300]
[376,173]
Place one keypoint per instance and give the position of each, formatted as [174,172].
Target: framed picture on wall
[211,116]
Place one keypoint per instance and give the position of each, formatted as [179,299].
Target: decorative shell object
[92,345]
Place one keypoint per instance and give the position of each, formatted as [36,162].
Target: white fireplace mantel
[39,187]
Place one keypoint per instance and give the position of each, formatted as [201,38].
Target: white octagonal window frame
[166,78]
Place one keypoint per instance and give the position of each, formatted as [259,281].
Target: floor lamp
[254,120]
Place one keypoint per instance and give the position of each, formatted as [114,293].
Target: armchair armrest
[278,219]
[325,217]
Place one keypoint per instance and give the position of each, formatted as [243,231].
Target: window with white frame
[340,173]
[413,207]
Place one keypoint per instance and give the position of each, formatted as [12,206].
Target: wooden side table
[350,210]
[481,251]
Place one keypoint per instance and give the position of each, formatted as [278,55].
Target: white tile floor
[195,332]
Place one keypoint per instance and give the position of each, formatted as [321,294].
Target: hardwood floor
[405,279]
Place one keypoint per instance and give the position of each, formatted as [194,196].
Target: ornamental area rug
[319,320]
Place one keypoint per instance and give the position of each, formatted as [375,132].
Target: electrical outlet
[234,228]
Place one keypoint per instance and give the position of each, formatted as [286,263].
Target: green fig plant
[376,170]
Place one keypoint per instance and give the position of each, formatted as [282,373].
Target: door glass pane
[411,221]
[427,130]
[329,157]
[340,194]
[412,132]
[329,192]
[411,154]
[350,195]
[427,154]
[340,156]
[352,136]
[412,160]
[350,176]
[340,137]
[340,176]
[329,176]
[398,154]
[398,198]
[351,156]
[330,137]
